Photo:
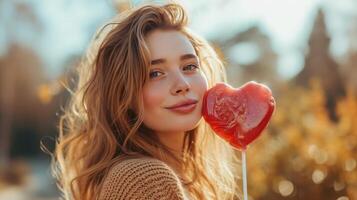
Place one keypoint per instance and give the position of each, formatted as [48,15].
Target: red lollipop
[238,115]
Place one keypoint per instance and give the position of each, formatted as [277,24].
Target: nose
[181,85]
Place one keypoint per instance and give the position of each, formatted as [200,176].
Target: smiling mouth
[184,109]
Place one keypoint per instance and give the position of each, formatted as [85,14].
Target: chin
[174,123]
[187,125]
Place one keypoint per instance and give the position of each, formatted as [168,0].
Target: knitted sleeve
[141,178]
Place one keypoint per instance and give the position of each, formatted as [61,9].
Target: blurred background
[304,50]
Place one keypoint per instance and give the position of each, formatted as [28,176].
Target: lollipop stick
[244,163]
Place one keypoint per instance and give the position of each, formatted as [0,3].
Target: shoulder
[141,178]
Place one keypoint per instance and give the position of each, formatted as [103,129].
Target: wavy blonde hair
[104,117]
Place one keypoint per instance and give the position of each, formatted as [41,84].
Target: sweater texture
[142,178]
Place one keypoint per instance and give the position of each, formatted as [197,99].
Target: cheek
[201,84]
[154,95]
[153,98]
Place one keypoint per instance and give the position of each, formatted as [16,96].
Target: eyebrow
[183,57]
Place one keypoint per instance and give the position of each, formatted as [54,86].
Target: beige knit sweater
[142,178]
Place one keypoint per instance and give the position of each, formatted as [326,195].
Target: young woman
[134,128]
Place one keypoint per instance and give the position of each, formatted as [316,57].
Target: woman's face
[175,79]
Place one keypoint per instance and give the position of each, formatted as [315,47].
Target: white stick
[244,168]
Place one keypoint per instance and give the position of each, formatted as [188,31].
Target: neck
[174,142]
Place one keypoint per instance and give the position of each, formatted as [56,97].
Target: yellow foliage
[304,154]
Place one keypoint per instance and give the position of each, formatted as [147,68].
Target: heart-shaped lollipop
[238,115]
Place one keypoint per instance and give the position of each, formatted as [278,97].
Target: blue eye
[191,67]
[154,74]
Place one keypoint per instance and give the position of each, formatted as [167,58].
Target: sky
[287,22]
[66,27]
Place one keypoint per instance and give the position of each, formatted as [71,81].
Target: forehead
[168,44]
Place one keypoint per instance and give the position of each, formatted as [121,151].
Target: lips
[182,104]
